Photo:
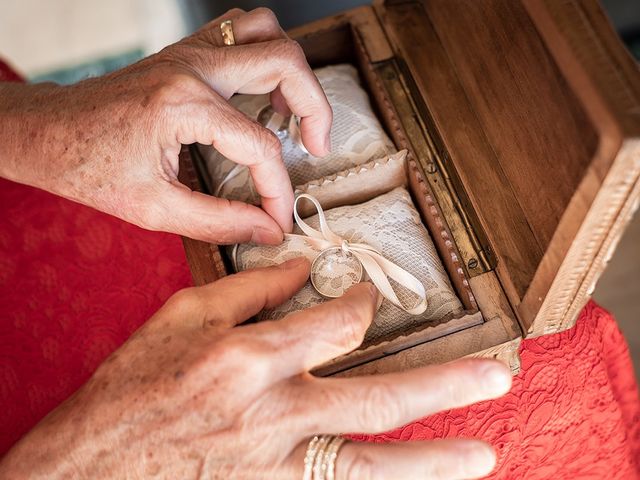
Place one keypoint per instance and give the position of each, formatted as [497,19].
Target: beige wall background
[37,36]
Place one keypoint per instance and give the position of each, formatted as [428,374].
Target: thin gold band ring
[226,28]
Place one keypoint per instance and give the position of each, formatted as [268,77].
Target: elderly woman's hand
[113,142]
[189,396]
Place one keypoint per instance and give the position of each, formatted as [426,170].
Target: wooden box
[522,119]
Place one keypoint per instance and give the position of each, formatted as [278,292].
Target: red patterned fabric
[75,283]
[573,411]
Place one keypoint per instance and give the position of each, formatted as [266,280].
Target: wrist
[63,445]
[29,143]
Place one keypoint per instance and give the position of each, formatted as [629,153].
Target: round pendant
[334,271]
[272,120]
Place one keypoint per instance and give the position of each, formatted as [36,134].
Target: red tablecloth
[74,284]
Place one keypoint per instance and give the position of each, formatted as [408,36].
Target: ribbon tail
[379,268]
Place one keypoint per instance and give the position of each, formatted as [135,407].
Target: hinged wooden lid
[537,104]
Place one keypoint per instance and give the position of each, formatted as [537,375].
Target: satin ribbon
[374,263]
[272,124]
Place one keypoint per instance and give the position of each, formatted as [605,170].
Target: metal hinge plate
[437,168]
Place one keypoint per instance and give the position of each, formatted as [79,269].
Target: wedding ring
[226,28]
[320,457]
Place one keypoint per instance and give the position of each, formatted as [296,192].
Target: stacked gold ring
[320,458]
[226,28]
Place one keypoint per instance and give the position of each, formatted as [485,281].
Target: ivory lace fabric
[356,136]
[389,223]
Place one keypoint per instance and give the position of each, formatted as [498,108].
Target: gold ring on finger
[226,28]
[320,457]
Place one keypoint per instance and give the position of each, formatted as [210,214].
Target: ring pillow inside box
[517,134]
[390,223]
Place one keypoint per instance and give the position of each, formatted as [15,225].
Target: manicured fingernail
[496,377]
[294,263]
[266,236]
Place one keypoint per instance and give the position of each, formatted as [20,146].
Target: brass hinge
[437,168]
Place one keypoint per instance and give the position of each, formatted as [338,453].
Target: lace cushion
[389,223]
[356,136]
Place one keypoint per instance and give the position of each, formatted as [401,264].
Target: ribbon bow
[374,263]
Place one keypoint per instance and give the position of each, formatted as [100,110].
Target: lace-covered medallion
[334,271]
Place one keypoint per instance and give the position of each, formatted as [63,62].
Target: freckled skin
[214,401]
[113,142]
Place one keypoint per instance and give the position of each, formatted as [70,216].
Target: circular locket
[272,120]
[334,271]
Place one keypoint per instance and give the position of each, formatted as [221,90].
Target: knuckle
[266,15]
[185,296]
[381,408]
[238,351]
[174,88]
[169,85]
[221,232]
[234,12]
[292,51]
[177,81]
[267,143]
[351,326]
[361,467]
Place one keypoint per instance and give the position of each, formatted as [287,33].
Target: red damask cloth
[75,283]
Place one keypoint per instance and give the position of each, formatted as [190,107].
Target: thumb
[216,220]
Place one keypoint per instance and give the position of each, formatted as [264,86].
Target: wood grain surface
[537,104]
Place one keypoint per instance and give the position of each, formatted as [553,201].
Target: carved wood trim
[594,244]
[508,353]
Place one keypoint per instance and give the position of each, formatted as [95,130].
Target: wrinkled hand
[189,396]
[113,142]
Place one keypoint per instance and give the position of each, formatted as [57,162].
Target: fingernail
[480,459]
[266,236]
[373,291]
[496,377]
[294,263]
[489,455]
[327,144]
[288,228]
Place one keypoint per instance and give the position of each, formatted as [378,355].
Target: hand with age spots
[193,396]
[112,142]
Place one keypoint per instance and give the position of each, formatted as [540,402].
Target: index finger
[234,299]
[299,87]
[314,336]
[264,67]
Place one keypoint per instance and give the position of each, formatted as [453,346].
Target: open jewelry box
[522,122]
